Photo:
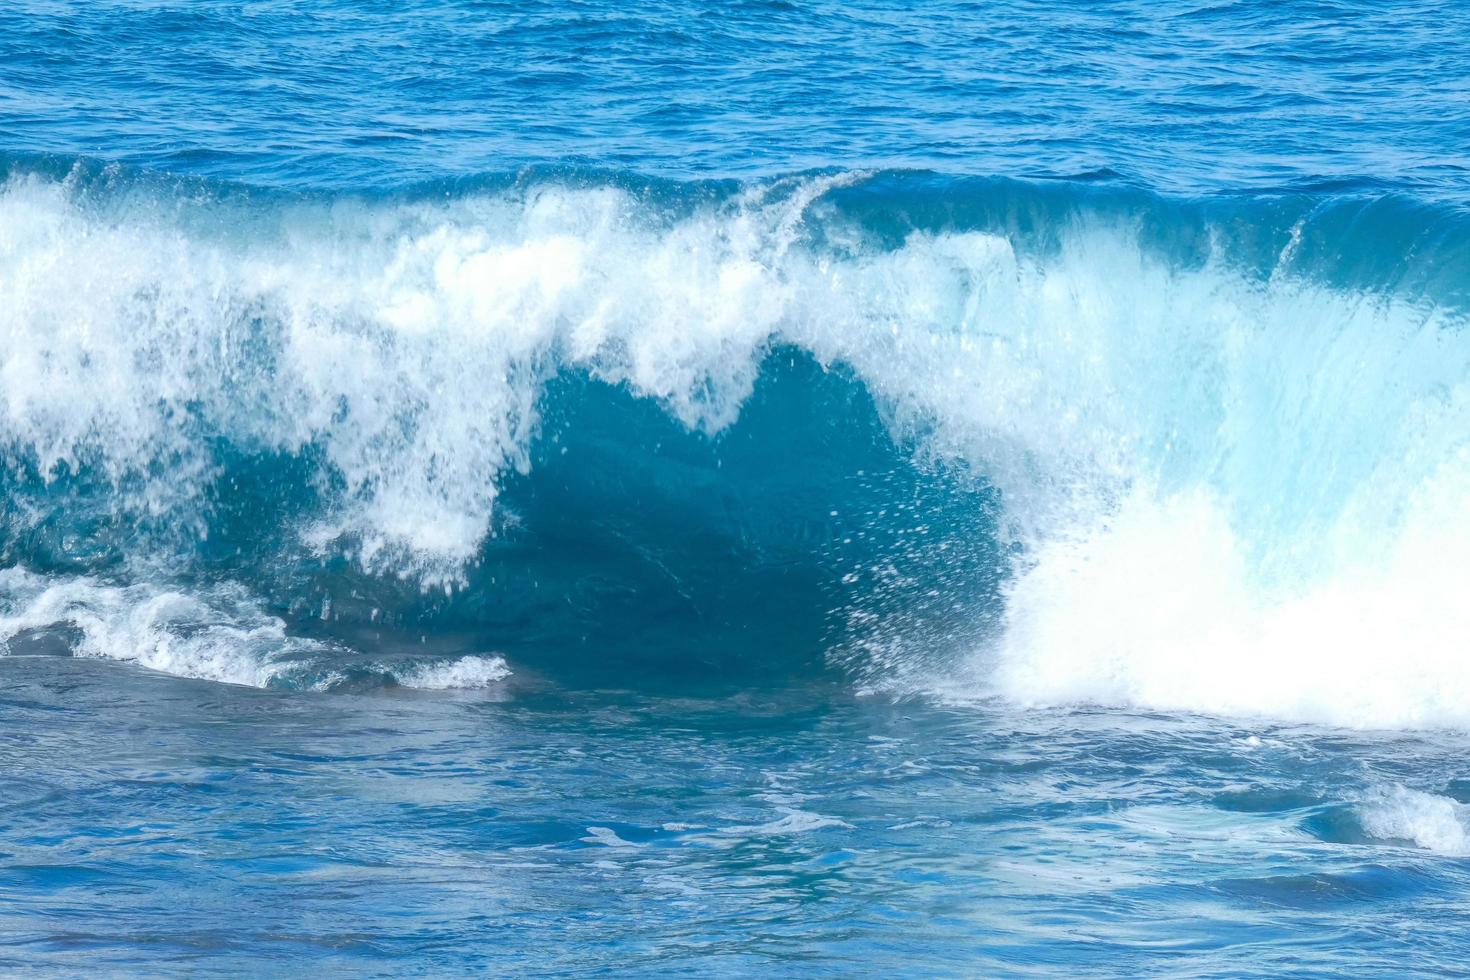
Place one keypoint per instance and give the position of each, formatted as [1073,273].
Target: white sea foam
[1159,606]
[466,673]
[218,635]
[1435,823]
[792,821]
[608,837]
[1232,493]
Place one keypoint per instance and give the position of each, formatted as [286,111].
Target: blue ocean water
[753,488]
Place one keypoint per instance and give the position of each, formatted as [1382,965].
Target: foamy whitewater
[742,489]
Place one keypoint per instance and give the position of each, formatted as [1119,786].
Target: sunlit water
[745,489]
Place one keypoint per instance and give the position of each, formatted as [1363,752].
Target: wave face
[1054,442]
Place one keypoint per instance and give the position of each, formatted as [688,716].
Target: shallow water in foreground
[155,822]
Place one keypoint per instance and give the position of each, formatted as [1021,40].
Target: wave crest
[1228,446]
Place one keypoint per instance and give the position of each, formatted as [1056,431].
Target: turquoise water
[743,489]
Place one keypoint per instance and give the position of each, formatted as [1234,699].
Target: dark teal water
[735,489]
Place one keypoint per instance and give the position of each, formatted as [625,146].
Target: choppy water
[743,488]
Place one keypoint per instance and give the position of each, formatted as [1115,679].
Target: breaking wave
[1051,442]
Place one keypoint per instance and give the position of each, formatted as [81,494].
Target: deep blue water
[740,489]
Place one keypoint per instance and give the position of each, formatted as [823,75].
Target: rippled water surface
[1181,95]
[159,823]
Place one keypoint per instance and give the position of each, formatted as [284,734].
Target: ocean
[753,488]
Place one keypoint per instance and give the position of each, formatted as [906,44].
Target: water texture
[734,488]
